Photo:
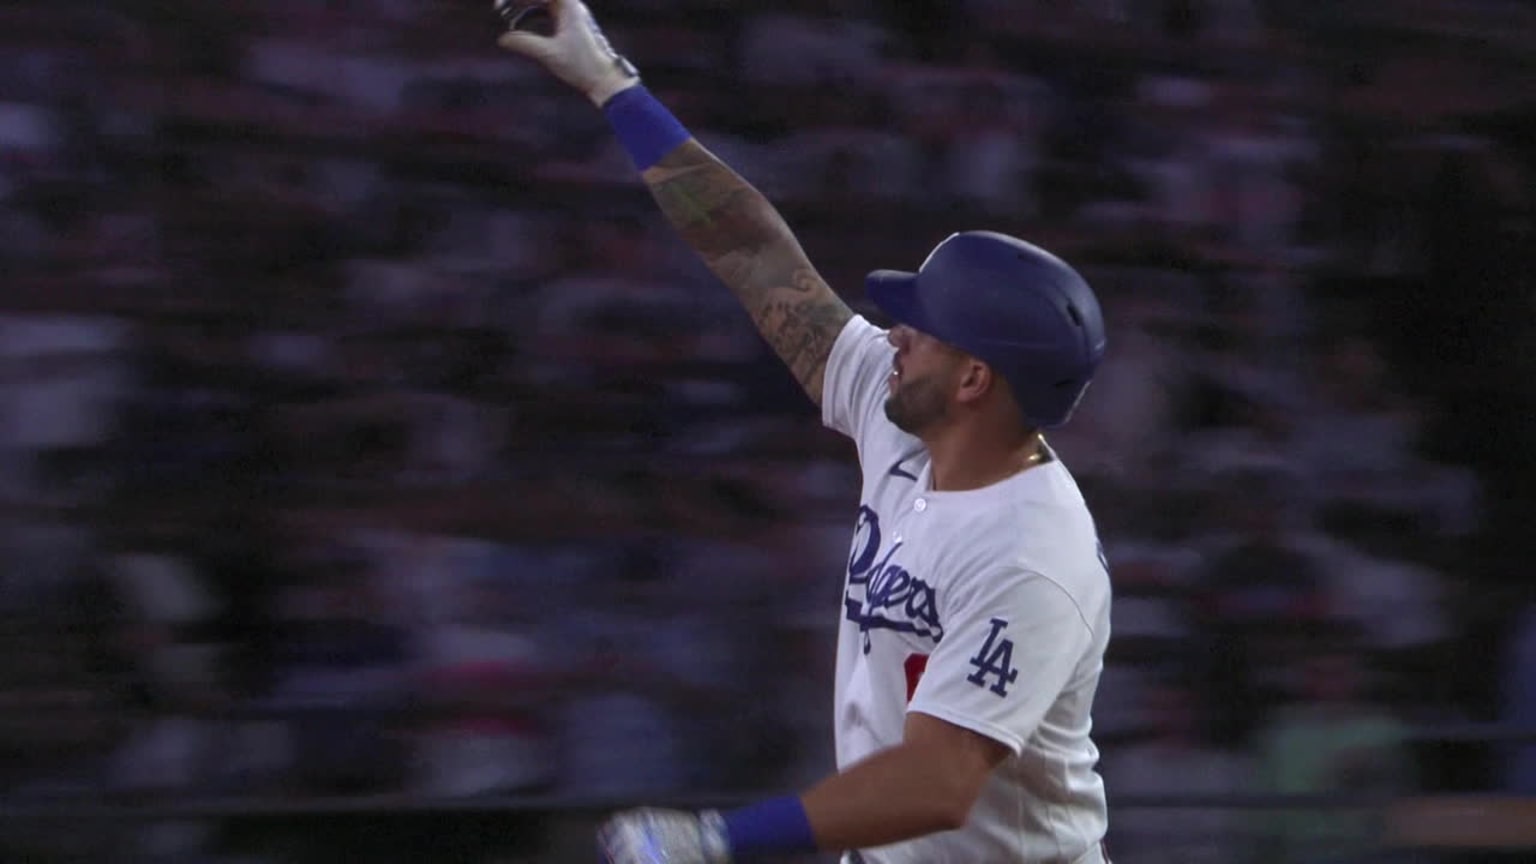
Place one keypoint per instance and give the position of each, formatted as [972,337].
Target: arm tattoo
[747,244]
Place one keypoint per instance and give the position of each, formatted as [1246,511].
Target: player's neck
[964,458]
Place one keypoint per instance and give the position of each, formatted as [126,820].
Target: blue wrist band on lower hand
[644,126]
[777,826]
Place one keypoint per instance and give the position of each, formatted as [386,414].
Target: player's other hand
[654,836]
[577,52]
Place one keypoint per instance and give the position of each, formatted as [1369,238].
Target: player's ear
[976,379]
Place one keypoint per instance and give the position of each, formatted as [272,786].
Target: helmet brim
[894,292]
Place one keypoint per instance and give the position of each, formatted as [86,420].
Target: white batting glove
[577,53]
[653,836]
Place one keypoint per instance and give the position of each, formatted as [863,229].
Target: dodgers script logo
[892,598]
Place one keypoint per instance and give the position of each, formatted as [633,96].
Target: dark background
[371,449]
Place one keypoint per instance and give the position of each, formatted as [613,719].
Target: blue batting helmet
[1011,304]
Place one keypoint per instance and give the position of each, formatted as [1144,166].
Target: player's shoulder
[1042,529]
[1044,495]
[860,331]
[859,345]
[854,388]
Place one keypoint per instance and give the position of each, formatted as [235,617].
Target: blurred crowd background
[368,442]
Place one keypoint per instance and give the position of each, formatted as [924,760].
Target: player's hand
[653,836]
[577,52]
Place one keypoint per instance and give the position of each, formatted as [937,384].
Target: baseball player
[976,604]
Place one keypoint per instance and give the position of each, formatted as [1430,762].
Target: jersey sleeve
[1012,642]
[857,369]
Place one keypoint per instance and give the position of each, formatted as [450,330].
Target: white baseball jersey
[988,609]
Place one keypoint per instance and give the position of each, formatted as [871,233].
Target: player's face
[922,380]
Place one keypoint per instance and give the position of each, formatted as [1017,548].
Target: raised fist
[576,52]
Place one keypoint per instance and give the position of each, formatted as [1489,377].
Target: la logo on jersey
[882,594]
[994,658]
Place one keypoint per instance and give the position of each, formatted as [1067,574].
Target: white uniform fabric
[988,609]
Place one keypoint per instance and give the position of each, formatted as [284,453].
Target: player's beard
[917,404]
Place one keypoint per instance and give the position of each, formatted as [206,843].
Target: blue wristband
[644,126]
[777,826]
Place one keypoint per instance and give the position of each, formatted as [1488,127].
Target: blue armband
[777,826]
[644,126]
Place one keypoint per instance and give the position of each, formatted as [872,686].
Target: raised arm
[746,243]
[729,223]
